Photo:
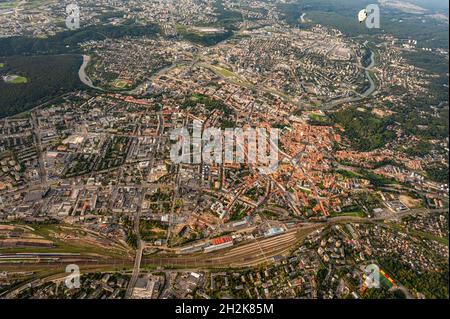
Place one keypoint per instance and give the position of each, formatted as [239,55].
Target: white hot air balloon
[362,15]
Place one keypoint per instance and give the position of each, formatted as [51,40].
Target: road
[140,243]
[140,247]
[37,138]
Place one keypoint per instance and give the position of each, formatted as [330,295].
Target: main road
[140,243]
[140,247]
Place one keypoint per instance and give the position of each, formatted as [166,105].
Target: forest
[364,131]
[67,41]
[206,39]
[433,284]
[41,85]
[342,15]
[32,58]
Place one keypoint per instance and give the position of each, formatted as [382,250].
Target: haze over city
[224,149]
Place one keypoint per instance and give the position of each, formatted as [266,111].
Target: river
[87,81]
[82,73]
[361,96]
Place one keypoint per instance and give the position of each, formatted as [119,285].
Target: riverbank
[370,90]
[83,76]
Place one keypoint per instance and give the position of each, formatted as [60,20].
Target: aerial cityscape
[111,187]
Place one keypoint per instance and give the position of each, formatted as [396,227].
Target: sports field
[15,79]
[121,84]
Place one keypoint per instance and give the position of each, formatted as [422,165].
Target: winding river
[361,96]
[82,73]
[328,105]
[87,81]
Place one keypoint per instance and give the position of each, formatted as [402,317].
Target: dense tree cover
[365,131]
[411,119]
[226,18]
[208,102]
[429,61]
[438,173]
[67,41]
[152,229]
[375,179]
[433,284]
[321,275]
[343,16]
[386,162]
[206,39]
[131,237]
[437,96]
[227,120]
[425,115]
[421,148]
[105,16]
[383,293]
[42,84]
[320,121]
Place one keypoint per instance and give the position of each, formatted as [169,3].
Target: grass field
[425,235]
[224,72]
[2,65]
[15,79]
[120,84]
[7,5]
[352,214]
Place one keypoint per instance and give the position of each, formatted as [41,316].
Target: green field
[15,79]
[348,214]
[120,84]
[2,65]
[7,5]
[425,235]
[36,84]
[223,72]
